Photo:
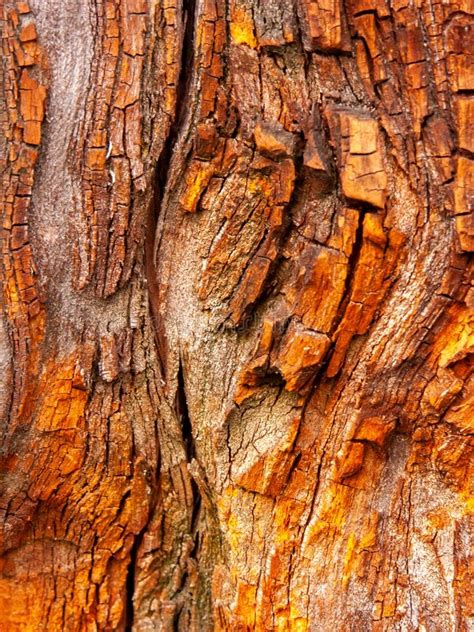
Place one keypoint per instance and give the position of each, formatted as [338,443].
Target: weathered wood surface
[237,327]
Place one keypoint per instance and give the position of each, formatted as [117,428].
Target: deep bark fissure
[161,174]
[129,608]
[165,159]
[182,413]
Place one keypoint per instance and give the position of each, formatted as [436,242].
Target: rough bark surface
[237,325]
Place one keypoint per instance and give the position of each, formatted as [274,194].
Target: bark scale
[236,338]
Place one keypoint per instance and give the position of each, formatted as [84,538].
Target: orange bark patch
[301,352]
[197,179]
[324,25]
[270,472]
[62,405]
[363,175]
[242,26]
[273,140]
[374,430]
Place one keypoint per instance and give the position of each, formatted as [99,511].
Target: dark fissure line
[185,75]
[130,580]
[352,262]
[161,175]
[182,91]
[182,413]
[183,416]
[129,610]
[160,180]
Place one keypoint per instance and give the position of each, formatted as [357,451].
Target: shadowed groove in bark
[162,169]
[182,413]
[130,584]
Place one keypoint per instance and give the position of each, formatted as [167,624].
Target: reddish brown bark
[236,338]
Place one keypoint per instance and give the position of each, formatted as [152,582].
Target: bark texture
[236,381]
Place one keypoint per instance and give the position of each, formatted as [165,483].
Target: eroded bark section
[236,287]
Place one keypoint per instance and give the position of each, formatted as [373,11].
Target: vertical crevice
[183,415]
[161,174]
[130,581]
[163,163]
[155,214]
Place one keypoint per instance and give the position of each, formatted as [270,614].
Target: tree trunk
[236,389]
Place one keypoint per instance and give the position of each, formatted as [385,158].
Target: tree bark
[236,334]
